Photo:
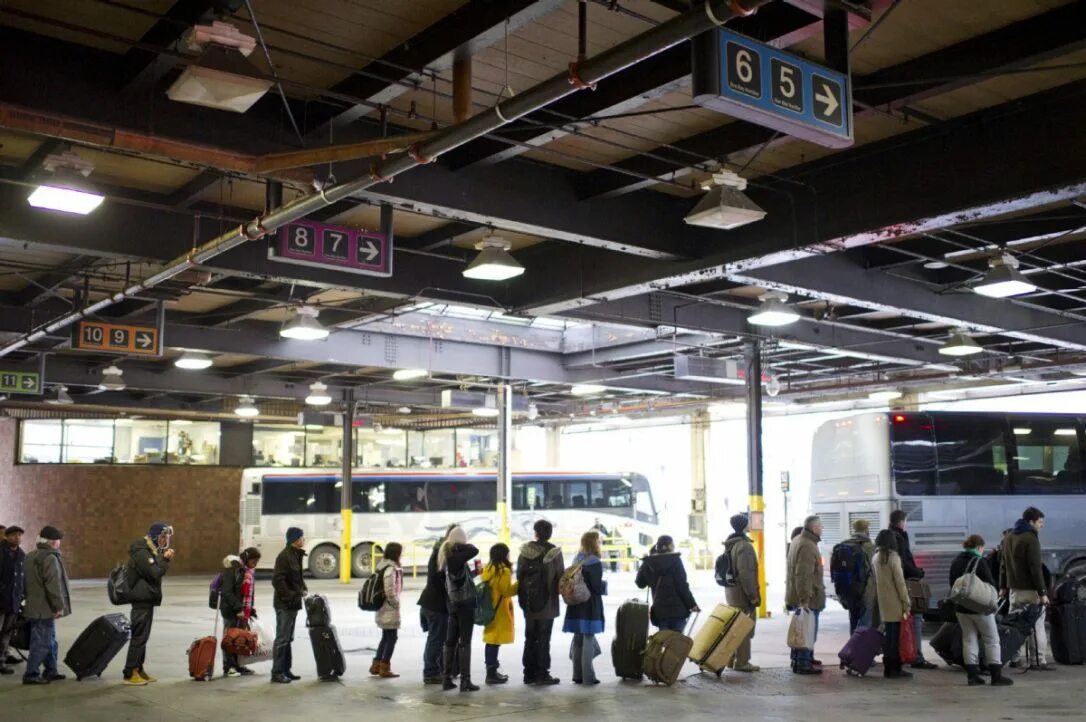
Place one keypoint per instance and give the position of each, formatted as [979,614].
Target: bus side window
[912,451]
[1048,456]
[972,455]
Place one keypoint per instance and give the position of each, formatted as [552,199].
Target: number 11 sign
[309,243]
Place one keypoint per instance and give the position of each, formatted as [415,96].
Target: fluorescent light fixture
[888,395]
[587,390]
[318,395]
[68,200]
[180,422]
[304,326]
[774,311]
[246,408]
[1022,431]
[409,374]
[314,427]
[1003,279]
[1065,432]
[485,412]
[936,265]
[494,262]
[960,345]
[63,398]
[123,422]
[192,361]
[111,379]
[404,410]
[533,412]
[391,430]
[725,206]
[221,78]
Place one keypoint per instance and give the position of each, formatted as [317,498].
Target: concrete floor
[773,694]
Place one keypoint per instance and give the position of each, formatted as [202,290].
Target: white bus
[415,507]
[954,474]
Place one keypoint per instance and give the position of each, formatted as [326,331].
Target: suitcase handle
[690,633]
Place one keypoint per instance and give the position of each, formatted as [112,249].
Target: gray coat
[46,584]
[554,565]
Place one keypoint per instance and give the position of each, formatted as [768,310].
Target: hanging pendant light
[193,361]
[318,394]
[246,408]
[112,380]
[1003,279]
[494,262]
[774,311]
[960,344]
[304,326]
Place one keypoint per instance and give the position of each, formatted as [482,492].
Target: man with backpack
[851,574]
[148,561]
[539,569]
[737,572]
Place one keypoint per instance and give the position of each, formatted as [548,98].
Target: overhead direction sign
[119,338]
[761,84]
[309,243]
[20,382]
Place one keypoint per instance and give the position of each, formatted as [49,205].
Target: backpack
[725,573]
[214,591]
[849,571]
[532,577]
[117,586]
[458,586]
[372,595]
[572,586]
[485,609]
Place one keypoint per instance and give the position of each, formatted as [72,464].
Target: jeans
[584,652]
[805,657]
[142,619]
[1023,598]
[387,645]
[859,618]
[437,625]
[918,625]
[677,624]
[977,628]
[282,658]
[43,648]
[891,651]
[490,656]
[537,648]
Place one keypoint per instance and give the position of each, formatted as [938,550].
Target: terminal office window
[118,441]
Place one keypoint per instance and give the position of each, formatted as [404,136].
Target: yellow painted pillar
[757,508]
[345,547]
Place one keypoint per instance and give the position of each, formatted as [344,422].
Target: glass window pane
[140,441]
[529,495]
[287,497]
[324,446]
[369,498]
[972,455]
[88,441]
[193,442]
[1048,459]
[278,445]
[477,448]
[438,449]
[380,449]
[912,452]
[40,441]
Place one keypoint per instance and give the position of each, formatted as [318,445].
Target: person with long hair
[453,560]
[434,613]
[978,627]
[585,620]
[498,574]
[894,602]
[388,616]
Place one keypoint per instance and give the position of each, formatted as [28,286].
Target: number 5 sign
[308,243]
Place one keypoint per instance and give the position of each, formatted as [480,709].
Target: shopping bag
[907,641]
[801,630]
[263,645]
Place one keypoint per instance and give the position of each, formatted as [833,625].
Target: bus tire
[1077,571]
[362,558]
[324,562]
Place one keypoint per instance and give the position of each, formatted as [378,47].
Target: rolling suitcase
[327,653]
[96,647]
[947,643]
[317,611]
[631,635]
[201,655]
[717,641]
[665,655]
[858,654]
[1068,619]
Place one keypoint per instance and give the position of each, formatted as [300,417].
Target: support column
[347,472]
[505,435]
[835,37]
[699,438]
[754,459]
[554,447]
[462,87]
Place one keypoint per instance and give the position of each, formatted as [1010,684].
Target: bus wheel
[362,560]
[324,562]
[1077,572]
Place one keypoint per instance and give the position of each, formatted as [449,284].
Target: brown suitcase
[202,659]
[716,643]
[665,656]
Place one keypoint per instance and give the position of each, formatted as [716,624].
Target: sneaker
[146,677]
[135,681]
[280,679]
[923,664]
[292,677]
[1043,667]
[748,667]
[35,680]
[900,675]
[231,673]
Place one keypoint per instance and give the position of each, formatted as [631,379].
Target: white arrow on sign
[143,339]
[371,250]
[827,97]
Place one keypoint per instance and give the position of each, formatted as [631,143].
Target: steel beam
[664,345]
[140,66]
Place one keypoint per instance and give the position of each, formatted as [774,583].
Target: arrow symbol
[371,250]
[828,98]
[29,382]
[143,339]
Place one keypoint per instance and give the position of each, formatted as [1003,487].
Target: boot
[973,672]
[465,673]
[375,668]
[448,656]
[386,671]
[998,680]
[495,677]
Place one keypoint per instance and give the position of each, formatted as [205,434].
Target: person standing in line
[913,573]
[744,594]
[539,569]
[862,610]
[1023,576]
[148,562]
[663,572]
[236,597]
[894,603]
[434,602]
[290,590]
[47,600]
[453,560]
[978,627]
[12,589]
[388,616]
[805,588]
[585,620]
[498,573]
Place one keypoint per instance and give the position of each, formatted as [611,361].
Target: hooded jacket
[1022,566]
[388,616]
[665,575]
[502,629]
[231,596]
[12,578]
[146,567]
[553,567]
[46,585]
[804,584]
[870,596]
[287,580]
[744,559]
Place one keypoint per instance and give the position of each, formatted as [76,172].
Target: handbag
[907,641]
[801,630]
[239,641]
[972,593]
[920,594]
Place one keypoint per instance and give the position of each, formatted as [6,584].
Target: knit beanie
[158,529]
[739,523]
[294,534]
[51,533]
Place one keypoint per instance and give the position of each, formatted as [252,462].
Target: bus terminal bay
[577,359]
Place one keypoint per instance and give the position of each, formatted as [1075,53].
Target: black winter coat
[146,567]
[434,598]
[287,580]
[908,564]
[665,575]
[231,602]
[455,561]
[959,567]
[12,578]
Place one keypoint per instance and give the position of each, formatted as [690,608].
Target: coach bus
[415,507]
[954,474]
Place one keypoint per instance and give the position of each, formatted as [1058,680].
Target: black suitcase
[327,652]
[96,647]
[631,636]
[317,611]
[947,643]
[1068,632]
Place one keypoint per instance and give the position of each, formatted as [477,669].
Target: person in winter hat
[663,572]
[290,590]
[148,562]
[47,600]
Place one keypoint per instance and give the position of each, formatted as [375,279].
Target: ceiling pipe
[461,87]
[580,76]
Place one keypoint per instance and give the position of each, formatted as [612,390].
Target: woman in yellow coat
[498,573]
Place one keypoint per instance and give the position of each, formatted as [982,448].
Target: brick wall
[102,509]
